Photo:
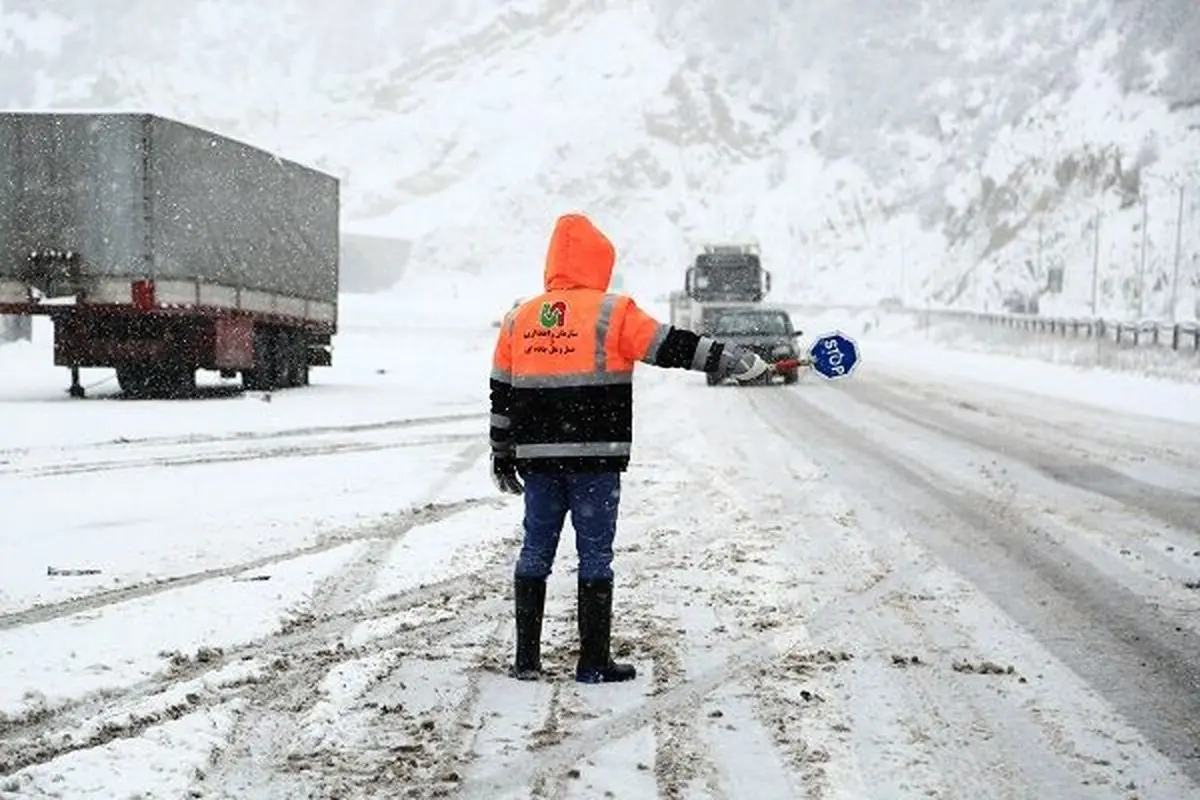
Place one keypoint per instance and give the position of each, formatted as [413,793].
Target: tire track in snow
[332,610]
[767,524]
[1100,512]
[1116,526]
[267,719]
[510,717]
[550,725]
[1178,509]
[549,733]
[680,756]
[775,718]
[435,737]
[1015,729]
[974,742]
[787,699]
[404,740]
[786,514]
[391,744]
[736,716]
[364,770]
[245,436]
[453,749]
[1141,663]
[686,625]
[390,528]
[685,697]
[340,594]
[309,643]
[1015,744]
[311,640]
[229,457]
[423,512]
[1074,427]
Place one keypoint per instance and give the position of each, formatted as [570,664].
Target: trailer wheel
[265,375]
[254,380]
[279,369]
[296,357]
[299,375]
[281,361]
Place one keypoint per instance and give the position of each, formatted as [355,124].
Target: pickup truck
[766,330]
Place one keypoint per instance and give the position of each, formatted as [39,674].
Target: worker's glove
[504,474]
[741,364]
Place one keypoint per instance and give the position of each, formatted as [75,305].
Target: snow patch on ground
[444,549]
[160,763]
[45,665]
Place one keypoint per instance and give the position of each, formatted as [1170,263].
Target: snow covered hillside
[873,151]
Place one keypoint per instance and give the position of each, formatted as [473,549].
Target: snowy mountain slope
[1095,155]
[870,150]
[992,105]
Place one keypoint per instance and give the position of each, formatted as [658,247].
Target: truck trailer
[720,273]
[158,249]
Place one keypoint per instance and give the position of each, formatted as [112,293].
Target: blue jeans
[592,499]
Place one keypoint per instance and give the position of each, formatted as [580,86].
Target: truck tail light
[142,294]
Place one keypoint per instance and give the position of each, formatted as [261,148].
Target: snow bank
[1145,381]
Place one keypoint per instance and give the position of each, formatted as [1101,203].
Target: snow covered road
[1075,533]
[903,585]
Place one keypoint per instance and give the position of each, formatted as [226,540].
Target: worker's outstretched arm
[645,339]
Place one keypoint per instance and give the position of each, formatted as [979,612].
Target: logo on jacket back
[554,315]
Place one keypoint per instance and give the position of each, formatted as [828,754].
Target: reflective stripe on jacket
[562,370]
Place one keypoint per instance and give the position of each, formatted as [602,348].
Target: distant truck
[158,249]
[721,273]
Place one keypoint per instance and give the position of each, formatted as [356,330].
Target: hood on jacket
[579,256]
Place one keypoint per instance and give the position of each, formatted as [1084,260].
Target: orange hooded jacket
[562,369]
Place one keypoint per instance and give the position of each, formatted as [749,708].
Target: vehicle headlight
[782,351]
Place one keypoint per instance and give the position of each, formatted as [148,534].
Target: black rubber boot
[530,605]
[595,636]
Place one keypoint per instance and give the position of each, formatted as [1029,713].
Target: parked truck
[720,273]
[158,249]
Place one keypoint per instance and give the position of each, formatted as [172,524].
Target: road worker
[561,428]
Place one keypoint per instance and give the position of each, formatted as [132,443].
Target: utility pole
[1096,266]
[1178,255]
[1141,306]
[1041,225]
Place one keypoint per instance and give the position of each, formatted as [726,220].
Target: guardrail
[1182,336]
